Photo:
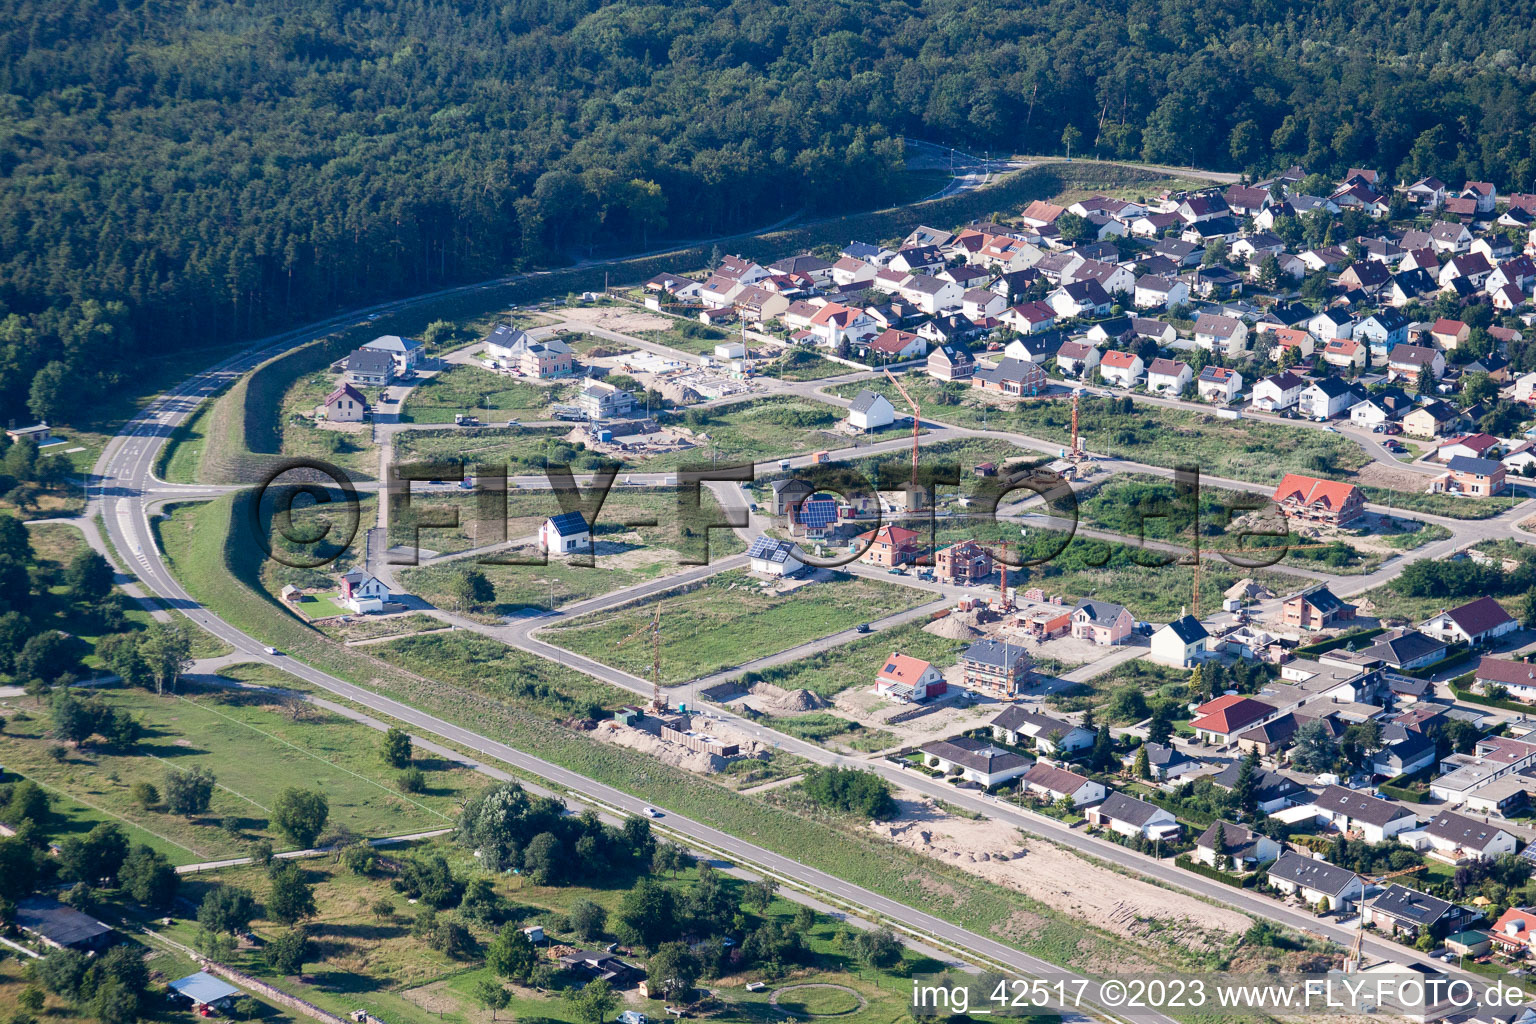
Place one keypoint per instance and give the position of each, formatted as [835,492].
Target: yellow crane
[917,422]
[651,629]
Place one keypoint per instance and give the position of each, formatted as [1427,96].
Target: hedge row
[1188,863]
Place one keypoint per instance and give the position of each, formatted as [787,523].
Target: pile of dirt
[1247,590]
[788,700]
[678,394]
[702,762]
[1062,879]
[951,628]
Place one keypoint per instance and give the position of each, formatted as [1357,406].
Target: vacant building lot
[730,620]
[474,391]
[255,743]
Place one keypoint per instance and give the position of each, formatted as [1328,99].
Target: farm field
[729,621]
[856,662]
[256,744]
[470,389]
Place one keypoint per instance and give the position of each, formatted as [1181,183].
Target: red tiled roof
[903,669]
[1312,491]
[1230,713]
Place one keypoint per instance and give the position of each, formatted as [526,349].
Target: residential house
[1016,724]
[1132,817]
[1316,608]
[1035,348]
[1277,391]
[1399,910]
[1345,353]
[1368,276]
[594,965]
[1157,330]
[1330,324]
[1328,397]
[1113,278]
[770,557]
[1477,622]
[1312,499]
[1525,388]
[951,363]
[517,350]
[1373,818]
[1475,478]
[848,272]
[1080,299]
[1409,286]
[1167,377]
[1272,791]
[1517,677]
[204,994]
[996,667]
[565,533]
[1101,622]
[1316,881]
[1227,333]
[1219,721]
[1053,784]
[345,405]
[1448,237]
[835,323]
[1219,384]
[1121,369]
[889,546]
[1165,762]
[1448,334]
[1287,339]
[599,400]
[370,368]
[870,410]
[1382,407]
[1411,360]
[788,493]
[1456,838]
[1181,643]
[975,760]
[1431,419]
[1156,292]
[1013,377]
[891,345]
[1198,208]
[1383,331]
[1246,201]
[1029,317]
[1412,753]
[404,352]
[1077,358]
[1471,446]
[1241,850]
[1406,649]
[908,679]
[980,303]
[1514,933]
[362,592]
[931,294]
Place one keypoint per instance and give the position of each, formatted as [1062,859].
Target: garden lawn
[465,388]
[730,621]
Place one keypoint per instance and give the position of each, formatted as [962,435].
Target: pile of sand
[1062,879]
[951,628]
[782,700]
[1247,590]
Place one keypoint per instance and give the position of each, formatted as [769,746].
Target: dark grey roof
[56,922]
[996,653]
[975,754]
[370,361]
[1014,718]
[1468,833]
[1010,369]
[865,400]
[1360,806]
[1324,600]
[1128,809]
[1318,875]
[790,483]
[1468,464]
[1267,785]
[1099,611]
[1411,905]
[1188,629]
[1409,646]
[1165,756]
[1241,843]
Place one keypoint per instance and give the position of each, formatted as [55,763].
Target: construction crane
[1076,394]
[1004,605]
[651,629]
[917,421]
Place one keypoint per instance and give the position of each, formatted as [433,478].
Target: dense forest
[175,175]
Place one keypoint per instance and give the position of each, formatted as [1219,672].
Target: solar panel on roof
[818,514]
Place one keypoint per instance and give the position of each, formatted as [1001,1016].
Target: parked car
[863,627]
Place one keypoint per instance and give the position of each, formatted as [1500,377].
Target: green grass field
[470,389]
[729,621]
[256,745]
[856,662]
[803,364]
